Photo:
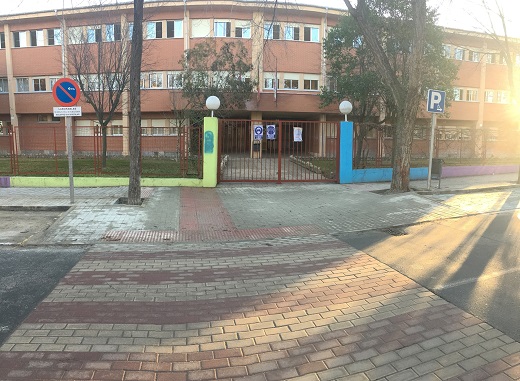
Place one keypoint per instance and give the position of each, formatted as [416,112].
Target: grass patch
[87,166]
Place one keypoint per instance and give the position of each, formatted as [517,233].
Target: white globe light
[345,108]
[212,103]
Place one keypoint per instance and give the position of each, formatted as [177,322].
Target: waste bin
[437,170]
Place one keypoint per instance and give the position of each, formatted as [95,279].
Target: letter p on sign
[435,102]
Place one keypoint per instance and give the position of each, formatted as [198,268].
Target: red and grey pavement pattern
[280,309]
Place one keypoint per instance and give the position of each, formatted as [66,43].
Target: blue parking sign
[436,101]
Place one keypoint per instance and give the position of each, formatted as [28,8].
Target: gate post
[210,153]
[346,136]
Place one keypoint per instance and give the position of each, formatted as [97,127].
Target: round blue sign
[259,130]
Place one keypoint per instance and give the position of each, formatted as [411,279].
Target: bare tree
[134,186]
[404,87]
[98,60]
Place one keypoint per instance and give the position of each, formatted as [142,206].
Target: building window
[457,94]
[143,81]
[36,37]
[472,95]
[490,58]
[52,81]
[502,96]
[291,84]
[174,80]
[130,30]
[154,30]
[488,96]
[39,84]
[54,36]
[474,56]
[270,84]
[22,85]
[20,39]
[311,33]
[272,31]
[458,54]
[242,29]
[2,40]
[93,34]
[332,84]
[113,32]
[222,29]
[155,80]
[310,84]
[292,33]
[76,35]
[174,28]
[446,51]
[4,85]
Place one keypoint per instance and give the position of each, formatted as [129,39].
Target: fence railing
[173,152]
[455,145]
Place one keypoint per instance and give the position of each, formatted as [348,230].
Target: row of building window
[462,54]
[160,29]
[472,95]
[156,80]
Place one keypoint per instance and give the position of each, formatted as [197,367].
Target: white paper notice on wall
[298,134]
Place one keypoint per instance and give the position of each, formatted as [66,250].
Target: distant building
[286,53]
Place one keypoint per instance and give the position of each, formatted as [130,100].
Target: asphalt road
[27,275]
[473,262]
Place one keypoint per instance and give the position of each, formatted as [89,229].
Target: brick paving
[279,309]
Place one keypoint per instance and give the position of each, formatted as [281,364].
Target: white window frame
[22,39]
[4,85]
[155,80]
[38,35]
[458,94]
[472,95]
[76,35]
[244,27]
[291,82]
[291,32]
[174,80]
[22,85]
[314,33]
[458,54]
[153,30]
[110,32]
[489,96]
[222,28]
[94,34]
[56,36]
[502,96]
[269,31]
[474,56]
[200,28]
[177,29]
[36,84]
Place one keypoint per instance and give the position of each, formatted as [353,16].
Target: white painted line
[462,282]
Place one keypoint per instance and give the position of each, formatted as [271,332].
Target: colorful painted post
[210,149]
[346,136]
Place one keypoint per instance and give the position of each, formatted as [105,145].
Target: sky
[461,14]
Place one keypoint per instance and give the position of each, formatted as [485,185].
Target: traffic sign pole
[430,160]
[66,93]
[68,126]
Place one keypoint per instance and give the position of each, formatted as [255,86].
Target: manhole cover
[394,231]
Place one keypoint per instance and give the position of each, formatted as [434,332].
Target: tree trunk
[104,149]
[134,185]
[402,153]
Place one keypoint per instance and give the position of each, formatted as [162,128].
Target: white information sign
[298,134]
[259,132]
[66,111]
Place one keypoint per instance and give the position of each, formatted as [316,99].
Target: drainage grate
[395,231]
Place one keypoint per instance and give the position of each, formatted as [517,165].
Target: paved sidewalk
[248,282]
[280,309]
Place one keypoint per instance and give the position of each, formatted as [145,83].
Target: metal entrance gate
[278,151]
